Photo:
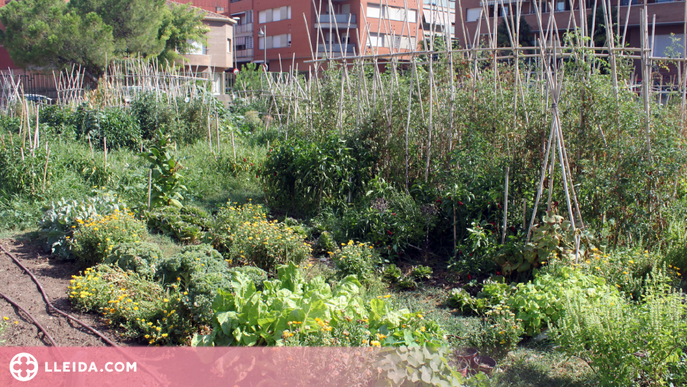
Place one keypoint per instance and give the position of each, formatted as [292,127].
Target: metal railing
[244,53]
[243,28]
[341,19]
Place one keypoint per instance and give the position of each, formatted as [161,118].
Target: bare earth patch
[54,276]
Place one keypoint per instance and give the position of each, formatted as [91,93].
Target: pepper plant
[166,185]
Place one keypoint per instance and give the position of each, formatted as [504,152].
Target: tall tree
[181,25]
[135,23]
[45,33]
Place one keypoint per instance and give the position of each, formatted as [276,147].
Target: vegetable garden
[530,205]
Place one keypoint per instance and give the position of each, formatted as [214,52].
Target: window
[473,14]
[391,13]
[373,11]
[375,40]
[276,41]
[274,14]
[244,42]
[197,48]
[229,46]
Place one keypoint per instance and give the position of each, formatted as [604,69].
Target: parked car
[38,98]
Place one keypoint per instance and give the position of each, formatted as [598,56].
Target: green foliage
[421,272]
[538,304]
[360,260]
[180,25]
[61,218]
[113,123]
[308,176]
[52,34]
[553,239]
[326,242]
[291,309]
[21,171]
[391,273]
[244,235]
[141,308]
[627,343]
[185,225]
[141,258]
[200,271]
[94,240]
[416,366]
[166,179]
[134,23]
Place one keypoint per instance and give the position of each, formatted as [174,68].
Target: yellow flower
[6,318]
[164,335]
[375,343]
[165,300]
[422,329]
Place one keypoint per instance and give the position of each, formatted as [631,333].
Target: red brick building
[669,18]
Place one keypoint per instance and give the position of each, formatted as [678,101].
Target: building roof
[209,15]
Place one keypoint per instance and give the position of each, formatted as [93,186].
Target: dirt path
[54,276]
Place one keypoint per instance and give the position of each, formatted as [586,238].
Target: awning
[238,13]
[437,17]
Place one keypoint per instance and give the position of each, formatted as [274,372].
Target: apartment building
[669,18]
[287,34]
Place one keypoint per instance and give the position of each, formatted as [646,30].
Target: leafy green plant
[144,309]
[416,366]
[185,225]
[359,259]
[290,307]
[391,273]
[326,242]
[112,124]
[61,218]
[200,271]
[244,235]
[421,272]
[141,258]
[95,239]
[624,342]
[166,179]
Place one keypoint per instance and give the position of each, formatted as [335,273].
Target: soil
[54,276]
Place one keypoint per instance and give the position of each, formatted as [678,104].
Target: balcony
[243,28]
[244,53]
[338,20]
[337,50]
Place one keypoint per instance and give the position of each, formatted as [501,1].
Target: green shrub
[538,303]
[59,118]
[61,218]
[627,343]
[391,273]
[417,366]
[141,258]
[200,271]
[143,309]
[360,260]
[22,171]
[113,123]
[244,235]
[326,242]
[166,180]
[291,311]
[185,225]
[95,239]
[151,113]
[308,176]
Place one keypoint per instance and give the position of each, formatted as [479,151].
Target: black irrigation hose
[95,331]
[45,332]
[51,306]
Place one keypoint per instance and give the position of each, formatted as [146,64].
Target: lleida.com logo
[24,367]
